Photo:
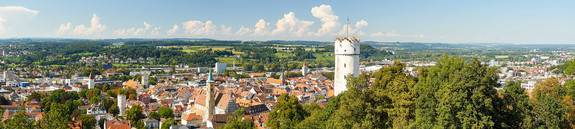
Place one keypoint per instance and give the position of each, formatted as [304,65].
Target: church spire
[91,76]
[210,77]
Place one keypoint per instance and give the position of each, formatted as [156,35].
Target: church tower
[210,101]
[145,81]
[91,81]
[346,61]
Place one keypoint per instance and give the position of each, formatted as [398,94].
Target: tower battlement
[346,46]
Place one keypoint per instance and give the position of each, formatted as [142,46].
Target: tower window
[344,65]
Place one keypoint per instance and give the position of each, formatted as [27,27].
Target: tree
[361,107]
[34,95]
[57,118]
[247,67]
[287,113]
[319,120]
[20,121]
[105,87]
[168,123]
[455,94]
[259,68]
[519,115]
[400,88]
[114,109]
[236,121]
[154,115]
[548,109]
[165,112]
[88,121]
[134,114]
[75,113]
[140,124]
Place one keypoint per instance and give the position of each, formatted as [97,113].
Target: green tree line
[452,94]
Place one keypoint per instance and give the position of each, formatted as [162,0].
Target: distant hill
[207,41]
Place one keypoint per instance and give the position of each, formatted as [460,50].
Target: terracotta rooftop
[191,117]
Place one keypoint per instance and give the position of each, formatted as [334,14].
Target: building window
[344,65]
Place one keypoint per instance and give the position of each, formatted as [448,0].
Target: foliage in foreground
[452,94]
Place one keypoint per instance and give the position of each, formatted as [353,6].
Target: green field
[228,60]
[120,65]
[282,55]
[200,48]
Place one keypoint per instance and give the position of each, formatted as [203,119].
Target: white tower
[145,81]
[5,76]
[122,104]
[304,70]
[90,81]
[346,61]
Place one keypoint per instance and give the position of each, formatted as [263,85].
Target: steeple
[210,100]
[91,76]
[210,77]
[91,81]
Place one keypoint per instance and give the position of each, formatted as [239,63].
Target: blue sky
[447,21]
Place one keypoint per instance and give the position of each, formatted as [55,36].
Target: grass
[228,60]
[238,53]
[189,50]
[282,55]
[120,65]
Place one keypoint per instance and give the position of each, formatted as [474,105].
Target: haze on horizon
[389,21]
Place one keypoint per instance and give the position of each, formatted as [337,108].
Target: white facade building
[145,79]
[91,83]
[346,61]
[220,67]
[122,104]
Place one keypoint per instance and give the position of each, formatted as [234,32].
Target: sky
[436,21]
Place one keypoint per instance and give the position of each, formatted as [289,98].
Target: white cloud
[361,24]
[2,29]
[226,30]
[148,29]
[388,34]
[330,22]
[64,28]
[82,30]
[418,35]
[14,16]
[291,25]
[155,31]
[243,31]
[199,28]
[261,27]
[16,11]
[173,30]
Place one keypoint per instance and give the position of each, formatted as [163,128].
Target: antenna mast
[347,28]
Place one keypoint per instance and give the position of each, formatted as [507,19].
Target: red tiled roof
[191,117]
